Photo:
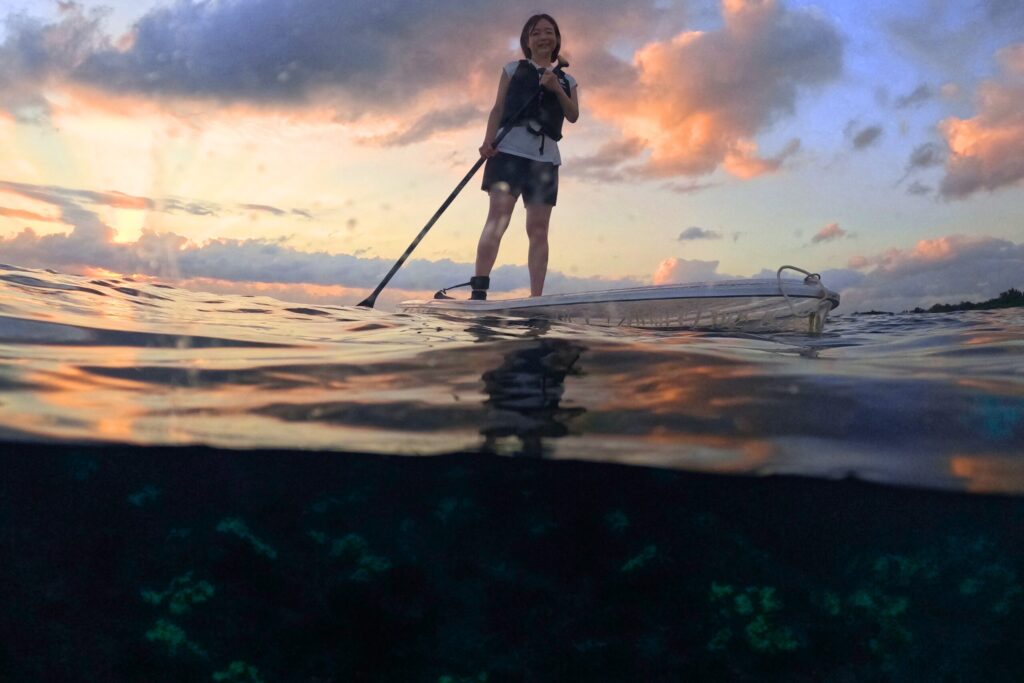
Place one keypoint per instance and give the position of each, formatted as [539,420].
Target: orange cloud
[23,205]
[987,150]
[699,98]
[27,215]
[830,232]
[120,200]
[923,252]
[936,249]
[663,273]
[746,167]
[744,163]
[686,270]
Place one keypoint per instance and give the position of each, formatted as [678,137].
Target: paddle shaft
[369,301]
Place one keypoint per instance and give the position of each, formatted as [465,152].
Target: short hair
[524,39]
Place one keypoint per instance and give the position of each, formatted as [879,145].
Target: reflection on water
[914,399]
[524,395]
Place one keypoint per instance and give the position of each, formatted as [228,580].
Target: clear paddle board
[750,305]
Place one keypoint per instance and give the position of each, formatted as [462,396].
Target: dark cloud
[433,122]
[697,233]
[867,137]
[956,36]
[924,156]
[361,57]
[85,242]
[791,148]
[195,208]
[836,279]
[918,189]
[366,54]
[927,155]
[71,198]
[606,164]
[951,268]
[1001,11]
[33,51]
[166,255]
[53,194]
[862,138]
[689,187]
[264,208]
[271,51]
[919,95]
[171,256]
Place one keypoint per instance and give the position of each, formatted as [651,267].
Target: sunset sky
[296,148]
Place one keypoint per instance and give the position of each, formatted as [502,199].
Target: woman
[534,96]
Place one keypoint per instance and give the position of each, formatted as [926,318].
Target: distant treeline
[1009,299]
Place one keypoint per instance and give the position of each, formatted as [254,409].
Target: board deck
[756,304]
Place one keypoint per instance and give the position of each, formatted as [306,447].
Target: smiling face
[541,38]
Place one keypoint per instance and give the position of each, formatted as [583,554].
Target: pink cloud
[951,268]
[830,232]
[938,249]
[675,269]
[987,150]
[923,252]
[699,98]
[858,262]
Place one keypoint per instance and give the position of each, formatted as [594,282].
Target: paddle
[369,301]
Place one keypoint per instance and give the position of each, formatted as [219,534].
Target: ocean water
[933,400]
[199,487]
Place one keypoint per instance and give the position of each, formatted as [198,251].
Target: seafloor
[193,564]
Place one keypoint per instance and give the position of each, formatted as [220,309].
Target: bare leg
[498,216]
[537,218]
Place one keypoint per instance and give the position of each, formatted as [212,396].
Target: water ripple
[916,399]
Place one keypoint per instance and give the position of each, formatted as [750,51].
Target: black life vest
[543,114]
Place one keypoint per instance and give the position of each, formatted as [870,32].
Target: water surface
[932,400]
[924,399]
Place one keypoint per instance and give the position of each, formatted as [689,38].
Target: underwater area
[202,487]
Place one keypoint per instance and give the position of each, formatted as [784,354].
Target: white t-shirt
[522,142]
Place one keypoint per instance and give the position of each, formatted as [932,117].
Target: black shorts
[537,181]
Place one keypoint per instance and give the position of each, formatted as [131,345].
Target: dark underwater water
[198,487]
[194,564]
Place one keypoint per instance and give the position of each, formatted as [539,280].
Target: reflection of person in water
[525,393]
